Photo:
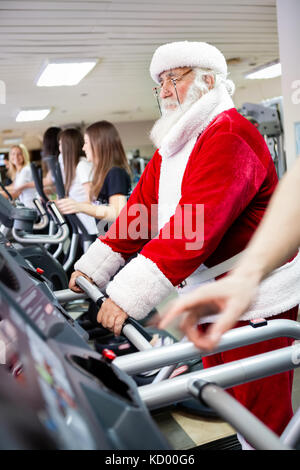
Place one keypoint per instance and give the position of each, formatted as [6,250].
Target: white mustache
[169,102]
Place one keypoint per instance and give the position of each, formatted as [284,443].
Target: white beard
[171,116]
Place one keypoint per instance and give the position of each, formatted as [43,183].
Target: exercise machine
[79,399]
[207,385]
[17,226]
[267,120]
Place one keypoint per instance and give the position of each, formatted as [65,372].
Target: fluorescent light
[27,115]
[13,141]
[65,73]
[269,71]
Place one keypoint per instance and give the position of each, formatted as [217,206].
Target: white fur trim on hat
[187,54]
[139,287]
[100,263]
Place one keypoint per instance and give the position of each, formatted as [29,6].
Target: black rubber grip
[138,327]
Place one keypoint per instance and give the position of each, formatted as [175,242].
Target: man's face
[184,77]
[188,92]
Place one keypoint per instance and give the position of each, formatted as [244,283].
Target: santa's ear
[209,80]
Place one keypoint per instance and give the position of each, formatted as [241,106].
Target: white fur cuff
[139,287]
[100,263]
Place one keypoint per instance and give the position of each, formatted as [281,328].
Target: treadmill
[78,399]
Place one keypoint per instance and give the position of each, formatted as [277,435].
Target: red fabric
[269,399]
[230,172]
[146,194]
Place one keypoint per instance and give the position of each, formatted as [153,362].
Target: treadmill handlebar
[6,192]
[228,408]
[184,351]
[29,238]
[39,206]
[57,216]
[133,331]
[91,290]
[43,215]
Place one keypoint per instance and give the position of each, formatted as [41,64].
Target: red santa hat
[187,54]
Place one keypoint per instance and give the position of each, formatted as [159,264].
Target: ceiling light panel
[65,73]
[29,115]
[269,71]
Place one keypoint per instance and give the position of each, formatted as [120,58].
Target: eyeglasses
[172,80]
[168,81]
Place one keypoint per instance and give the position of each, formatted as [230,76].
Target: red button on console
[108,354]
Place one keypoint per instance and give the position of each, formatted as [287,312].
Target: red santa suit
[215,159]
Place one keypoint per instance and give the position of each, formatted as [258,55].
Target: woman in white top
[111,183]
[20,174]
[77,172]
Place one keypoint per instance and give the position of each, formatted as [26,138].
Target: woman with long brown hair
[76,172]
[111,182]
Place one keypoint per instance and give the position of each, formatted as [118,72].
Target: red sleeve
[137,222]
[222,177]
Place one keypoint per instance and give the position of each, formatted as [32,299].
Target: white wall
[255,91]
[288,14]
[135,135]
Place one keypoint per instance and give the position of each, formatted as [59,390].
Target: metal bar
[59,237]
[178,352]
[67,295]
[58,251]
[227,375]
[251,428]
[72,252]
[91,290]
[166,371]
[131,333]
[291,434]
[136,338]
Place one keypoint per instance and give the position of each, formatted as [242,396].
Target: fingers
[203,299]
[111,316]
[119,321]
[191,331]
[66,206]
[230,316]
[72,283]
[210,339]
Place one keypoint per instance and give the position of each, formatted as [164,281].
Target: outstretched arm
[275,241]
[108,212]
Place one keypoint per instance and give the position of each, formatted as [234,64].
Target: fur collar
[195,120]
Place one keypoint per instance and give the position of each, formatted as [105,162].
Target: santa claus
[211,164]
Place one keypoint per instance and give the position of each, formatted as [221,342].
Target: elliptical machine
[18,227]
